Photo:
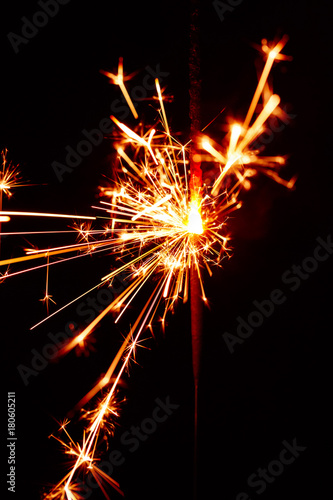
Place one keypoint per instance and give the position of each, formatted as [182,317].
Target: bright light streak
[41,214]
[119,80]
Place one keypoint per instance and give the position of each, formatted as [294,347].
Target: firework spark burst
[10,177]
[157,222]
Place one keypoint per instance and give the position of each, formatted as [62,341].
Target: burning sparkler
[158,221]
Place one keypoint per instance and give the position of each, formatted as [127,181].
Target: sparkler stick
[195,188]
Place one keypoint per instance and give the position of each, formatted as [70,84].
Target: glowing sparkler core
[194,223]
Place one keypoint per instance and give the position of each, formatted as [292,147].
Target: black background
[276,385]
